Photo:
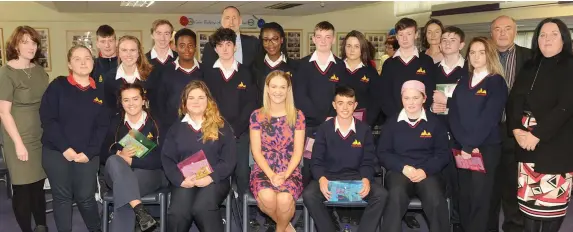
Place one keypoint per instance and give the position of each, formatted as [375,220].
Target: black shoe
[41,228]
[144,219]
[411,222]
[254,225]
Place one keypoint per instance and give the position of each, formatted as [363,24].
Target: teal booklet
[342,191]
[141,143]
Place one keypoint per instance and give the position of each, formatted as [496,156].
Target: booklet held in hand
[196,165]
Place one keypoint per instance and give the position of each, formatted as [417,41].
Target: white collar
[357,67]
[337,127]
[416,53]
[188,120]
[460,63]
[282,58]
[404,117]
[121,74]
[479,75]
[139,122]
[219,65]
[154,53]
[195,65]
[314,57]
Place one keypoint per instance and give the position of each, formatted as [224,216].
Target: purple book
[196,165]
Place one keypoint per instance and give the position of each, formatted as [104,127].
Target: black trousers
[314,202]
[505,188]
[431,193]
[451,176]
[243,171]
[199,205]
[531,225]
[476,189]
[129,184]
[307,163]
[29,200]
[72,182]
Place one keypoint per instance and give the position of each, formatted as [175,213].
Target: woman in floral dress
[277,139]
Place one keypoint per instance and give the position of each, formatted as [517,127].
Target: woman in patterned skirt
[540,112]
[277,138]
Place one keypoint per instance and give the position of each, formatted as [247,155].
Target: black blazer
[522,55]
[250,46]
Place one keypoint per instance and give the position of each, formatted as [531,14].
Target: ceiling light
[136,3]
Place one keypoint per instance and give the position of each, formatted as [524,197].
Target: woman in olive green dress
[22,84]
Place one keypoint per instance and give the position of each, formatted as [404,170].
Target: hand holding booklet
[195,165]
[139,142]
[475,163]
[345,191]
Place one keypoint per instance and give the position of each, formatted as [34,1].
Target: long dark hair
[423,38]
[365,51]
[565,36]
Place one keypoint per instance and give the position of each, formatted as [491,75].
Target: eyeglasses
[274,40]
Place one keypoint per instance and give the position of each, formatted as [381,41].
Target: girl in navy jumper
[133,67]
[131,177]
[234,91]
[75,121]
[475,112]
[360,74]
[202,128]
[272,57]
[176,76]
[414,149]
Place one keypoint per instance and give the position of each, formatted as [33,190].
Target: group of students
[242,98]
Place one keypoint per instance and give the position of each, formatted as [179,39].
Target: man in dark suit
[512,58]
[246,45]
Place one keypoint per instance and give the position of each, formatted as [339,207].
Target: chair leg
[162,212]
[311,224]
[8,186]
[105,217]
[228,213]
[305,218]
[245,213]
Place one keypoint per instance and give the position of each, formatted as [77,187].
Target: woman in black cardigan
[540,113]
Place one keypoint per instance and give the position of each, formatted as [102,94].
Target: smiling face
[81,62]
[186,48]
[272,42]
[478,58]
[344,106]
[277,89]
[433,34]
[406,37]
[128,52]
[550,40]
[225,50]
[323,39]
[162,36]
[451,43]
[412,100]
[231,19]
[132,101]
[196,102]
[352,48]
[27,47]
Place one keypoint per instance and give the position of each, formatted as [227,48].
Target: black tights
[531,225]
[28,200]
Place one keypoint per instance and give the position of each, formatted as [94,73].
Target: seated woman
[414,149]
[131,177]
[202,129]
[277,140]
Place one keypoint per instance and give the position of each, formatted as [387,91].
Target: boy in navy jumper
[475,112]
[233,88]
[176,76]
[449,71]
[414,149]
[107,46]
[406,64]
[344,150]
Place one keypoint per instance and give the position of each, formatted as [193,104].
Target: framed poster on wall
[45,60]
[339,40]
[310,44]
[82,37]
[377,39]
[203,39]
[293,43]
[2,53]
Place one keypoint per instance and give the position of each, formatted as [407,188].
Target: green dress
[26,95]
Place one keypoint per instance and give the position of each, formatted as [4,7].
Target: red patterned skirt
[543,196]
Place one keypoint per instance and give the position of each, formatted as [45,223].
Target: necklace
[28,74]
